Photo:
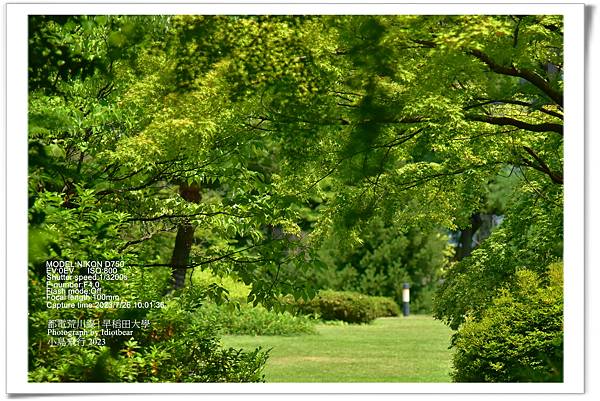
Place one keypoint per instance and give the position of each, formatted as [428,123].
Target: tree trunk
[465,241]
[181,253]
[184,239]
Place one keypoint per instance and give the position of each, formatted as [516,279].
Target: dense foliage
[180,346]
[255,321]
[385,259]
[346,306]
[519,338]
[290,153]
[529,238]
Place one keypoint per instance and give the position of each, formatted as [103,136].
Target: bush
[239,317]
[193,355]
[385,307]
[347,306]
[256,320]
[196,356]
[179,346]
[235,289]
[519,338]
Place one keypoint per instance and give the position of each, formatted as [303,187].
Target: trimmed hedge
[351,307]
[386,307]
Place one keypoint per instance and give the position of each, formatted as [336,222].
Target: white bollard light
[405,299]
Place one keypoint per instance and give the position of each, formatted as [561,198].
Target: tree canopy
[241,144]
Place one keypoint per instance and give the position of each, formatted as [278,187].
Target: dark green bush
[519,338]
[256,320]
[350,307]
[387,257]
[347,306]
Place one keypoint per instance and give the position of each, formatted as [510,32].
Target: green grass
[412,349]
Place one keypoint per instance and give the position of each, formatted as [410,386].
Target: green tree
[89,197]
[189,142]
[385,259]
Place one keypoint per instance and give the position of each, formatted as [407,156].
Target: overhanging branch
[528,75]
[556,177]
[485,102]
[542,127]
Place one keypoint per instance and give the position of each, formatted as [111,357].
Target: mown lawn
[412,349]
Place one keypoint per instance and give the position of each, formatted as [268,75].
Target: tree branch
[176,216]
[207,261]
[543,167]
[414,183]
[142,239]
[515,102]
[543,127]
[528,75]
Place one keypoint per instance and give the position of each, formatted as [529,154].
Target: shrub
[256,320]
[196,356]
[385,307]
[192,355]
[347,306]
[179,346]
[519,338]
[235,289]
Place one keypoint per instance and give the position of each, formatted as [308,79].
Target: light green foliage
[530,237]
[83,231]
[519,338]
[231,314]
[255,320]
[263,136]
[178,347]
[236,290]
